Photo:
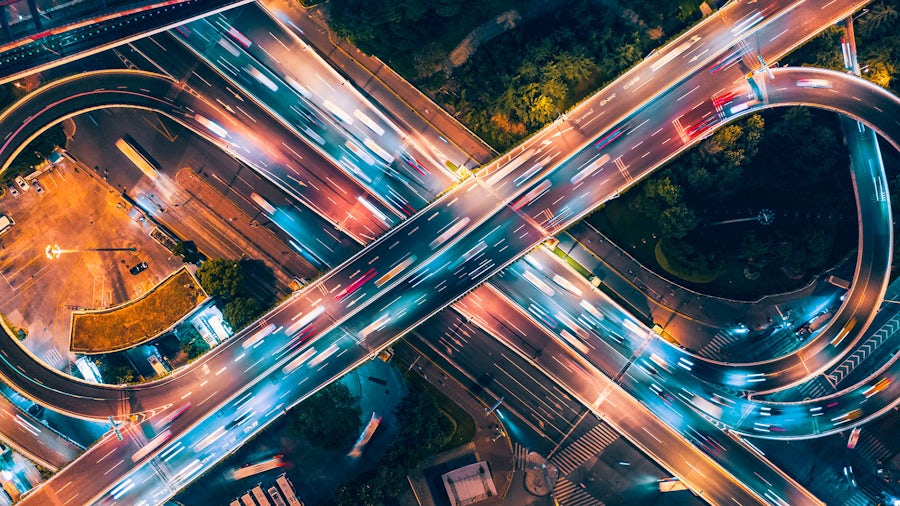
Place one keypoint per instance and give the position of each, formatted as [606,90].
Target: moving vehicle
[211,125]
[449,232]
[608,138]
[130,148]
[258,336]
[153,444]
[239,420]
[356,285]
[854,438]
[532,195]
[813,83]
[844,332]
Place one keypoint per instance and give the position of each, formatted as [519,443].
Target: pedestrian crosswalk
[812,389]
[585,447]
[871,449]
[520,457]
[54,359]
[857,499]
[768,345]
[720,341]
[871,491]
[571,494]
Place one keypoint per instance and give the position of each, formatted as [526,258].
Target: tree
[329,419]
[677,222]
[116,374]
[194,348]
[447,8]
[242,310]
[221,278]
[187,250]
[657,195]
[818,246]
[423,429]
[880,72]
[880,16]
[754,250]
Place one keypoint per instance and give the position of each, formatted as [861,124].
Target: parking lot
[89,224]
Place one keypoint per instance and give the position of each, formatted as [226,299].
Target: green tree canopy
[329,419]
[221,278]
[240,311]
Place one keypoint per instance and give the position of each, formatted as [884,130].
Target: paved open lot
[88,221]
[83,212]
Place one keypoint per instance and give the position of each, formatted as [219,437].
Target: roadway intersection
[502,192]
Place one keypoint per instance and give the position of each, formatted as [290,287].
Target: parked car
[12,188]
[38,187]
[22,183]
[137,269]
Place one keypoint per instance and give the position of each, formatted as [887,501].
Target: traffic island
[540,475]
[139,320]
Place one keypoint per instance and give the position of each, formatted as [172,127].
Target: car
[38,187]
[12,188]
[854,438]
[813,83]
[137,269]
[22,183]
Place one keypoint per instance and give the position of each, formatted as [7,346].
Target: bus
[844,332]
[153,444]
[259,467]
[133,152]
[365,436]
[260,496]
[706,406]
[287,490]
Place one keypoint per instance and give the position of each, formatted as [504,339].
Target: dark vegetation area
[791,162]
[422,430]
[329,419]
[522,79]
[240,285]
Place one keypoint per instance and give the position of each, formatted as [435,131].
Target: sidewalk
[397,97]
[497,451]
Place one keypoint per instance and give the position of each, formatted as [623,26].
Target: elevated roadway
[71,30]
[443,276]
[526,233]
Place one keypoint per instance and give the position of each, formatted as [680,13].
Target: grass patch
[138,320]
[463,423]
[572,263]
[664,263]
